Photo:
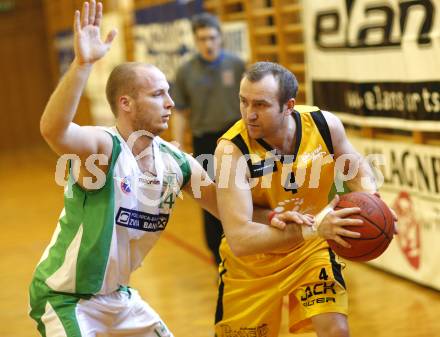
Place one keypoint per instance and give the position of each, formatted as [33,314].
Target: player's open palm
[87,40]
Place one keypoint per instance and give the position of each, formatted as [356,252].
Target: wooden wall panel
[25,84]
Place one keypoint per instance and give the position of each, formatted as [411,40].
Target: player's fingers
[76,22]
[310,217]
[342,242]
[349,234]
[347,211]
[85,14]
[98,16]
[334,202]
[307,220]
[277,223]
[92,12]
[350,222]
[290,217]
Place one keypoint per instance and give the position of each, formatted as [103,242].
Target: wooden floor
[177,278]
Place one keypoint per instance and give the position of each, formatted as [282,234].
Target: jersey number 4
[290,184]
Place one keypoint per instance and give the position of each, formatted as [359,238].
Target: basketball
[376,231]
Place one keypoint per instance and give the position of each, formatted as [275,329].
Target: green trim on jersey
[64,306]
[94,211]
[181,160]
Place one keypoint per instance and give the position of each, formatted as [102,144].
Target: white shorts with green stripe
[121,313]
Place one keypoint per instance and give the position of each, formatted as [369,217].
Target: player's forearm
[62,105]
[208,200]
[257,238]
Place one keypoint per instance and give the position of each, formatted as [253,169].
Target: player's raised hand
[88,45]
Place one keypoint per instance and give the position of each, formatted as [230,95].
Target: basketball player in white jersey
[115,211]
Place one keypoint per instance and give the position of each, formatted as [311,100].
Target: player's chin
[163,126]
[254,133]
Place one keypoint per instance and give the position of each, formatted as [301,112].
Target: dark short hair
[204,20]
[287,82]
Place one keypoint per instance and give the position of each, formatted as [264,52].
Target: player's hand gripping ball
[376,231]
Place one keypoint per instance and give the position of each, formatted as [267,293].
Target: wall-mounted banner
[411,186]
[376,60]
[163,34]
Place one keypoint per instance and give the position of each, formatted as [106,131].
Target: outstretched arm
[244,235]
[203,190]
[56,124]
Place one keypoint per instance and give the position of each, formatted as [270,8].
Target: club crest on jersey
[126,185]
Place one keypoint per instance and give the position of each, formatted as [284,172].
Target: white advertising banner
[377,63]
[410,176]
[163,34]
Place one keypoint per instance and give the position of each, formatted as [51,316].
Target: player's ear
[124,103]
[289,106]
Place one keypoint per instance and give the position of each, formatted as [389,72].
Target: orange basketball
[376,231]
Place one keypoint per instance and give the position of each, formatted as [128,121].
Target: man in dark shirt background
[206,94]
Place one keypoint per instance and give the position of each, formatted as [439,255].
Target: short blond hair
[123,80]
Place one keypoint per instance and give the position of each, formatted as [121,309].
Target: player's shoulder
[175,159]
[167,147]
[304,109]
[317,113]
[332,120]
[235,130]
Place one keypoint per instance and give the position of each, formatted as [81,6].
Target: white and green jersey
[103,235]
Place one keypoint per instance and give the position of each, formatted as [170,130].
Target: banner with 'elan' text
[376,63]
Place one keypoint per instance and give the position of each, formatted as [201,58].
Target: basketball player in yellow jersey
[267,159]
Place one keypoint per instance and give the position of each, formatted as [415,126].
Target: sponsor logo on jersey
[259,331]
[148,181]
[317,153]
[126,185]
[319,293]
[141,220]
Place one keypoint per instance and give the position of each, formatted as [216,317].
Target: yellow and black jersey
[300,181]
[252,287]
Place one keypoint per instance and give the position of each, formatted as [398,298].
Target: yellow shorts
[252,288]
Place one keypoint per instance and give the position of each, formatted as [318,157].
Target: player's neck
[283,141]
[138,141]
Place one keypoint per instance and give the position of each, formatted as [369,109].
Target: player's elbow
[45,129]
[239,247]
[238,251]
[50,132]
